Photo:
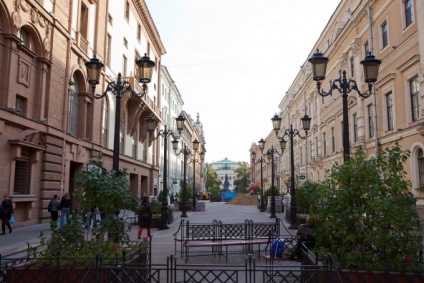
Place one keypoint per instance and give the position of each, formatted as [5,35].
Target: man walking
[53,208]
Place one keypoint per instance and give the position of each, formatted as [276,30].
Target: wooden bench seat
[224,243]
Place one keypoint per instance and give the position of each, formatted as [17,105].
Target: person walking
[65,207]
[7,212]
[53,208]
[144,217]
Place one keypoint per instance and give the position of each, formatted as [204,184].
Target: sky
[234,60]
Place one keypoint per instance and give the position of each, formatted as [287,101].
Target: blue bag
[12,220]
[277,248]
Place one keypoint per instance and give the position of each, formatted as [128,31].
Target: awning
[253,188]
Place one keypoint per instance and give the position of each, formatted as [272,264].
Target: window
[139,32]
[324,145]
[421,167]
[84,21]
[370,120]
[73,108]
[127,10]
[21,103]
[352,67]
[105,122]
[22,183]
[389,111]
[409,14]
[355,128]
[333,140]
[415,98]
[366,48]
[124,66]
[47,5]
[310,151]
[26,39]
[384,35]
[316,146]
[108,49]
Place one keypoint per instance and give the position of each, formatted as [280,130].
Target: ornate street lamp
[144,75]
[261,160]
[186,151]
[344,86]
[270,154]
[291,133]
[165,133]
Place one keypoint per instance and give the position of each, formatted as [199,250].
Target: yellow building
[394,32]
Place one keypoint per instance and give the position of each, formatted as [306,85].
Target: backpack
[277,248]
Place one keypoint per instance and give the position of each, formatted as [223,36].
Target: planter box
[31,273]
[371,277]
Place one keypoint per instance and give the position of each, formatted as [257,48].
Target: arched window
[73,107]
[420,157]
[105,122]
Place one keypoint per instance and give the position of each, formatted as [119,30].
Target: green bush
[268,193]
[364,212]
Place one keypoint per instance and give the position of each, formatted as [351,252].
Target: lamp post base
[262,205]
[164,218]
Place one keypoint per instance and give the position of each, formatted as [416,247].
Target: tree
[242,180]
[212,178]
[364,213]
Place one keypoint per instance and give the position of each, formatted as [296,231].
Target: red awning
[253,188]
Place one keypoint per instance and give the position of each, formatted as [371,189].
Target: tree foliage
[110,193]
[364,212]
[242,180]
[212,178]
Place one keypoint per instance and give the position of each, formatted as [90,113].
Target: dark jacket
[53,205]
[65,203]
[145,215]
[8,206]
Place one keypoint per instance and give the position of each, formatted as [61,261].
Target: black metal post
[184,197]
[272,184]
[262,188]
[194,183]
[293,208]
[164,216]
[118,89]
[346,145]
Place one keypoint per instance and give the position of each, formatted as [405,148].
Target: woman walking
[144,217]
[6,214]
[65,207]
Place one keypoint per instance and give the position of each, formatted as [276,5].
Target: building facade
[225,169]
[394,32]
[51,125]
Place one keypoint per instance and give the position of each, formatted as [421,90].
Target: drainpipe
[371,44]
[66,100]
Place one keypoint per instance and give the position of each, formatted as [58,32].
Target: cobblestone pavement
[163,241]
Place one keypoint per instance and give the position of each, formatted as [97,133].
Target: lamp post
[186,151]
[291,133]
[344,86]
[261,160]
[194,160]
[145,71]
[165,133]
[270,153]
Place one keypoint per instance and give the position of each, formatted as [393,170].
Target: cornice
[147,20]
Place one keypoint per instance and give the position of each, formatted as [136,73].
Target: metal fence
[250,270]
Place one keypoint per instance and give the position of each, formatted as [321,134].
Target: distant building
[225,168]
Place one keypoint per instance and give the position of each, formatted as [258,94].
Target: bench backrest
[217,230]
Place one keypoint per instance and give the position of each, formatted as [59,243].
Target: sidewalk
[163,241]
